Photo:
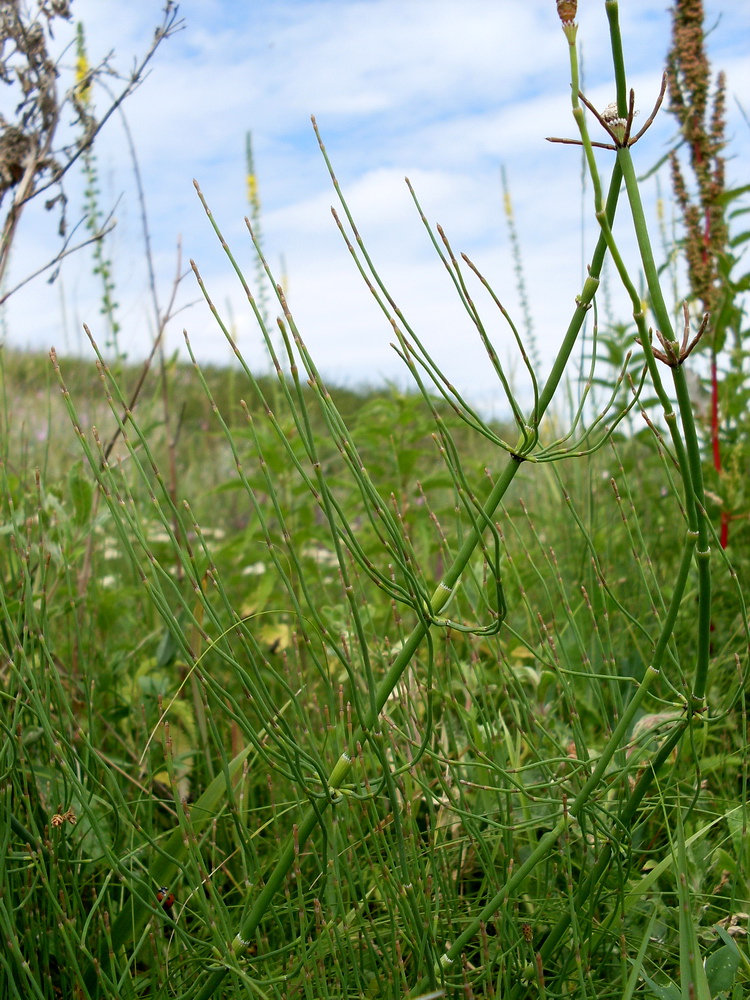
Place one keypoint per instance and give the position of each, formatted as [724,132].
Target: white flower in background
[254,569]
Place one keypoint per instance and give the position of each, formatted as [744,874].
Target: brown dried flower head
[67,817]
[567,9]
[612,116]
[703,129]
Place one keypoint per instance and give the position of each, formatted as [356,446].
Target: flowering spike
[83,70]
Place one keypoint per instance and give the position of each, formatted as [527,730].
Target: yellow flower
[83,70]
[252,189]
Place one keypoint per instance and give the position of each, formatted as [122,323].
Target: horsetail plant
[619,127]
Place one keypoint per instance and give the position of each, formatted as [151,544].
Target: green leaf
[81,493]
[731,194]
[722,964]
[721,968]
[12,525]
[668,992]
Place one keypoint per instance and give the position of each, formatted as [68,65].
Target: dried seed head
[612,117]
[616,122]
[566,10]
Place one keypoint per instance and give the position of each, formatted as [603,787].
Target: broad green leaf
[721,968]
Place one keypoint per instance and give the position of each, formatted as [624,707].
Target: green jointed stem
[691,466]
[650,269]
[441,596]
[647,778]
[445,589]
[618,60]
[703,551]
[689,456]
[687,452]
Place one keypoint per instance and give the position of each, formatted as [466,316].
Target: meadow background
[316,686]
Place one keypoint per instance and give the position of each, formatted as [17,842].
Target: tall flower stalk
[701,117]
[102,262]
[253,200]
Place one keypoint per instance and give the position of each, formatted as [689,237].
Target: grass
[392,701]
[486,739]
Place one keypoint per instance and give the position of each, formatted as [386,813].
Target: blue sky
[443,91]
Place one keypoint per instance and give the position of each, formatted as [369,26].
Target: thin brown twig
[627,139]
[39,159]
[650,120]
[602,121]
[629,119]
[147,363]
[169,26]
[109,225]
[577,142]
[675,354]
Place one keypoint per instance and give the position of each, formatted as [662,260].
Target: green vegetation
[392,701]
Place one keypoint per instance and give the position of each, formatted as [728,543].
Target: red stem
[715,447]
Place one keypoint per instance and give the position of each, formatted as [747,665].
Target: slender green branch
[615,38]
[689,457]
[650,269]
[442,594]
